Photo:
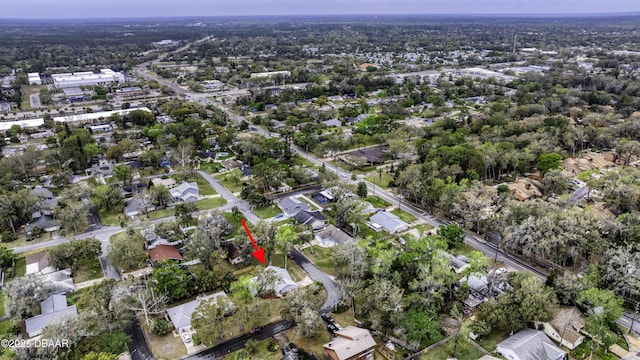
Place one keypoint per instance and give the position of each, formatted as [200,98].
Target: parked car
[326,317]
[290,255]
[255,330]
[332,328]
[186,337]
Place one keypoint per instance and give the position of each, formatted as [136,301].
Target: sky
[61,9]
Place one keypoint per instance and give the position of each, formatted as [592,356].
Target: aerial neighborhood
[370,188]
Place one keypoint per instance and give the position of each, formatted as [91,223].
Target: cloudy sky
[154,8]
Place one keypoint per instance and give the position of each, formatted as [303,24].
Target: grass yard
[404,216]
[424,227]
[377,202]
[164,347]
[20,267]
[211,167]
[229,178]
[382,181]
[267,212]
[73,297]
[304,162]
[314,344]
[88,269]
[464,249]
[112,218]
[489,342]
[22,240]
[323,258]
[294,270]
[367,233]
[204,188]
[464,351]
[210,203]
[261,352]
[157,214]
[7,328]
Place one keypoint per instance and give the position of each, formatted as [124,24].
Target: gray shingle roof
[181,315]
[291,206]
[529,344]
[389,221]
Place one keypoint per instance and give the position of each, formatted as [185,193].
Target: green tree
[123,173]
[362,190]
[595,299]
[452,233]
[107,198]
[421,326]
[126,252]
[548,162]
[173,280]
[6,257]
[286,237]
[184,212]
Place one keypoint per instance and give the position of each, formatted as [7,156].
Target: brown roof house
[38,264]
[350,343]
[566,325]
[164,252]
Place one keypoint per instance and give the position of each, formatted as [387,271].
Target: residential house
[529,344]
[60,282]
[151,239]
[290,206]
[485,286]
[312,218]
[234,255]
[350,343]
[387,221]
[42,214]
[332,236]
[38,264]
[566,325]
[180,316]
[164,252]
[52,310]
[185,192]
[136,207]
[458,262]
[284,283]
[230,164]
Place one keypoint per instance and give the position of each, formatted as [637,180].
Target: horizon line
[565,14]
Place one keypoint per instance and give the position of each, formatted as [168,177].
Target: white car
[186,337]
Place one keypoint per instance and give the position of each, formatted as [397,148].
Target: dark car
[255,330]
[332,328]
[326,317]
[290,255]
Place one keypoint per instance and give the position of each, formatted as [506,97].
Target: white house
[180,315]
[387,221]
[284,283]
[530,344]
[566,325]
[185,192]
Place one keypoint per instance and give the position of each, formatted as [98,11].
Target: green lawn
[267,212]
[211,168]
[204,188]
[157,214]
[404,216]
[20,267]
[6,327]
[489,342]
[377,202]
[464,351]
[323,258]
[112,218]
[228,180]
[382,181]
[367,233]
[88,269]
[1,303]
[424,227]
[211,203]
[294,270]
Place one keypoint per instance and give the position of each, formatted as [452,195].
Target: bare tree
[145,300]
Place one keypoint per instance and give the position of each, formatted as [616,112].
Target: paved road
[138,347]
[334,295]
[238,343]
[232,200]
[102,234]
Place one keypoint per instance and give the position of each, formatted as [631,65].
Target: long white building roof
[95,116]
[30,123]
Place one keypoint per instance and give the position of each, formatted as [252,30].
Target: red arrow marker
[258,253]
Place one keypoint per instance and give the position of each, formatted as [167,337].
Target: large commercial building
[34,79]
[92,117]
[88,78]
